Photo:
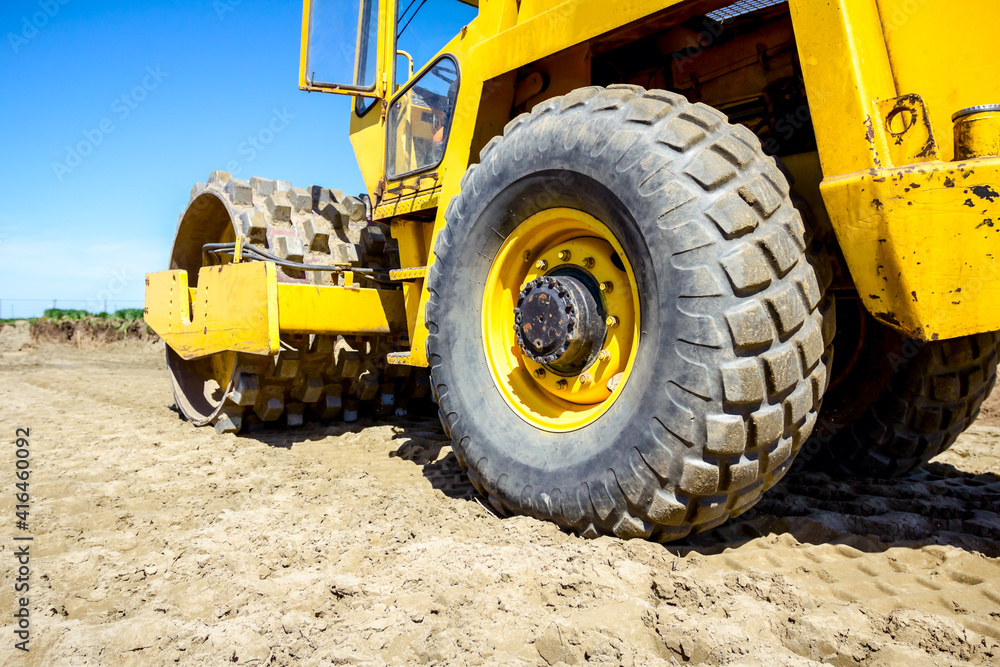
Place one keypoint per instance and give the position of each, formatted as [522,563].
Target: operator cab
[397,41]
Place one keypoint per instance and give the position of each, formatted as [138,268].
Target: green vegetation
[69,314]
[121,314]
[127,314]
[59,313]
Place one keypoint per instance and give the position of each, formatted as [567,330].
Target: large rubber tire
[319,375]
[732,360]
[897,402]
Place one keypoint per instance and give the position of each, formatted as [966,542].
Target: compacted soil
[156,542]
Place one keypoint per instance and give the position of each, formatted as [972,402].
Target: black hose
[403,14]
[413,16]
[253,252]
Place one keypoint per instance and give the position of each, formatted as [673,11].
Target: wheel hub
[558,322]
[565,370]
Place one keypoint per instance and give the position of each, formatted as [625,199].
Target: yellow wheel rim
[548,242]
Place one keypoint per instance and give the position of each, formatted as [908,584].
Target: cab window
[343,63]
[419,120]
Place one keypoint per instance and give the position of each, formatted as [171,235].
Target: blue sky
[110,111]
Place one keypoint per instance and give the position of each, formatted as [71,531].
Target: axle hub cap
[558,322]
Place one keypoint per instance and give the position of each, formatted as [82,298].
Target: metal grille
[742,7]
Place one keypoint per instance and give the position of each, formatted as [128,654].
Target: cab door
[391,56]
[421,108]
[346,47]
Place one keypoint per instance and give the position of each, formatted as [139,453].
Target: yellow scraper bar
[235,308]
[242,308]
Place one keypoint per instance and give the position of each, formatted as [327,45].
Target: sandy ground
[156,542]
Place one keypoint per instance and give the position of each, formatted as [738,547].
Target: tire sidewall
[647,458]
[518,186]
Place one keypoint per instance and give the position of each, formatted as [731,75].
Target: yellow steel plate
[408,274]
[242,308]
[923,244]
[234,308]
[421,202]
[339,310]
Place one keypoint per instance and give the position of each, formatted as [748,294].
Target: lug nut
[604,355]
[588,262]
[607,287]
[612,321]
[539,373]
[541,265]
[562,384]
[564,255]
[585,378]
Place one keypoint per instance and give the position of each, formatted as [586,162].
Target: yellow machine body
[919,230]
[915,226]
[242,307]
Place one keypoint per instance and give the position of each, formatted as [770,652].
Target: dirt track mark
[159,542]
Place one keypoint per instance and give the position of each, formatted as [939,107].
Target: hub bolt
[562,384]
[564,255]
[604,355]
[539,373]
[527,255]
[607,287]
[588,262]
[612,321]
[541,265]
[585,378]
